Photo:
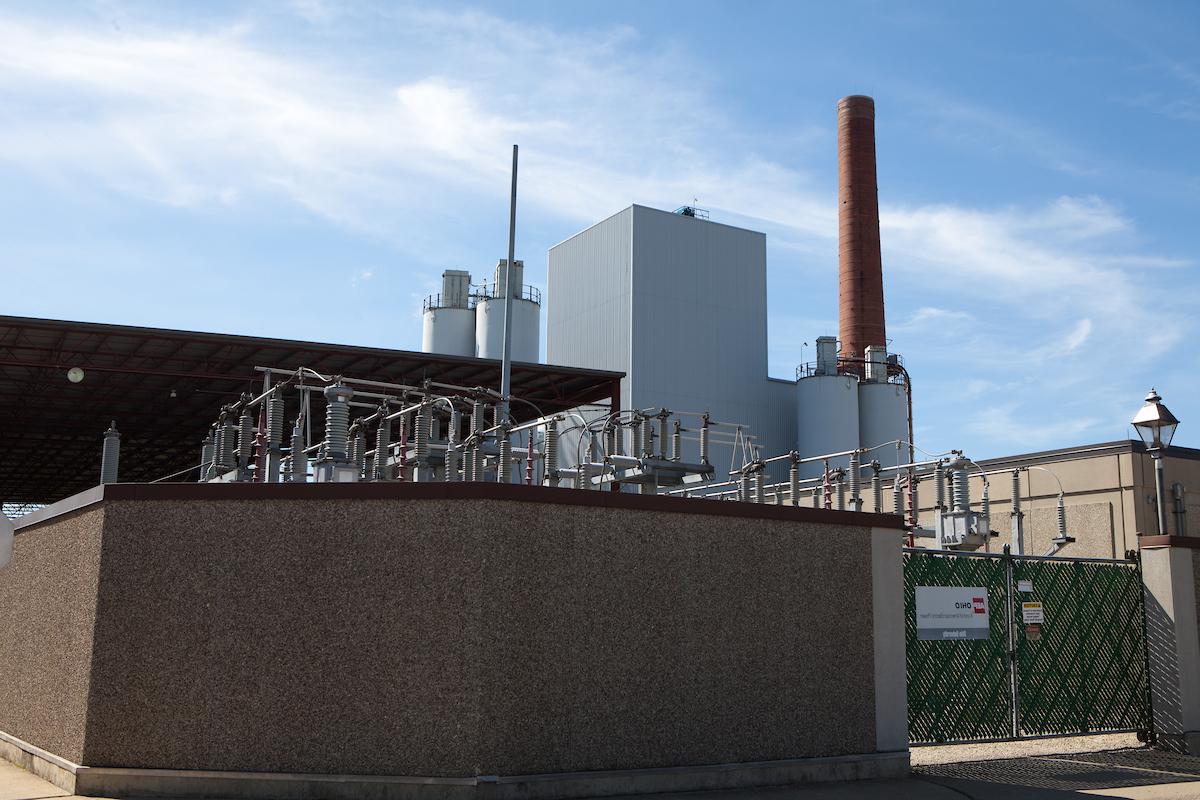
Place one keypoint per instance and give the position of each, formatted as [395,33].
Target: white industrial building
[678,303]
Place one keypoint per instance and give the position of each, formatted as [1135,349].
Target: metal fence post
[1010,628]
[1148,736]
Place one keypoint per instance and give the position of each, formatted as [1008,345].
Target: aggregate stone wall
[461,637]
[47,613]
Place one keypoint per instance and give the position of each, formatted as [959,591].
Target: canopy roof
[165,387]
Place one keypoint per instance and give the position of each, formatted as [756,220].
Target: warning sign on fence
[952,612]
[1032,613]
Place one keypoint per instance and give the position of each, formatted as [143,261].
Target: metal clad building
[680,305]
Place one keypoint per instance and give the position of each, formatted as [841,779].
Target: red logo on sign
[977,603]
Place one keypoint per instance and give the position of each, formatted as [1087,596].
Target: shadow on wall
[1164,673]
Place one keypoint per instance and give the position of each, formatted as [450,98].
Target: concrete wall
[384,632]
[47,613]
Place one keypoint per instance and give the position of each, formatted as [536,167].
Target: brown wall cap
[1192,542]
[394,490]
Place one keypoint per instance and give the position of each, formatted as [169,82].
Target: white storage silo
[827,419]
[448,322]
[526,311]
[883,417]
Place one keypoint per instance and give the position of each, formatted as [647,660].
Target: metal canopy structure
[165,387]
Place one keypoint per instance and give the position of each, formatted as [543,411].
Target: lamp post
[1156,425]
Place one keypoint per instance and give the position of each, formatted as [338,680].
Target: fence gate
[1058,648]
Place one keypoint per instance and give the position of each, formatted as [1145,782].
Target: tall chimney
[860,268]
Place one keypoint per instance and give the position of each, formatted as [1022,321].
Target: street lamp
[1156,425]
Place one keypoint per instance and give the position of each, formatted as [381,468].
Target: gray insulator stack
[760,487]
[985,503]
[855,478]
[110,454]
[841,493]
[352,444]
[1062,518]
[816,496]
[704,443]
[468,465]
[451,462]
[298,460]
[478,458]
[939,485]
[476,417]
[206,457]
[1016,492]
[360,452]
[245,439]
[275,411]
[744,494]
[274,437]
[584,476]
[380,470]
[962,490]
[635,438]
[877,489]
[794,484]
[226,447]
[504,469]
[647,437]
[422,433]
[677,442]
[551,466]
[662,436]
[337,421]
[898,496]
[610,438]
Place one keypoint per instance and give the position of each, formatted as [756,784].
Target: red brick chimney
[860,269]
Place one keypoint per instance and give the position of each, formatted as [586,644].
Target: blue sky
[307,169]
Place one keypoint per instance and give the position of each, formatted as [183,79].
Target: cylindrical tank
[489,329]
[882,417]
[449,331]
[827,419]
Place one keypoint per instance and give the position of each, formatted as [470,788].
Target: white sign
[1032,612]
[1024,586]
[952,612]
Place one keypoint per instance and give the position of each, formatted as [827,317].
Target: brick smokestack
[860,268]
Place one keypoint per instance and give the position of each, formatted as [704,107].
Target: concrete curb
[120,782]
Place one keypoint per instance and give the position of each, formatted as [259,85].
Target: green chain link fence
[1084,671]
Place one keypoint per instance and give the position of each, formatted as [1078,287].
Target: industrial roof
[165,387]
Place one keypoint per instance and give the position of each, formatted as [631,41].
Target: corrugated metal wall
[680,305]
[588,290]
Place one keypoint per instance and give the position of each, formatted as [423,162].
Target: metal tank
[827,419]
[827,410]
[882,417]
[448,321]
[526,310]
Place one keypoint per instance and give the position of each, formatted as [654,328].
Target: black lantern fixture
[1155,423]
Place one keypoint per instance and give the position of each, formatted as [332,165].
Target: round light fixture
[75,374]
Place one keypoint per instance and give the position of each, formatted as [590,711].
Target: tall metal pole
[506,353]
[1160,491]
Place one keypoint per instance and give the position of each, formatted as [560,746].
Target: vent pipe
[860,267]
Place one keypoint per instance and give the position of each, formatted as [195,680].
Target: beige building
[1108,492]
